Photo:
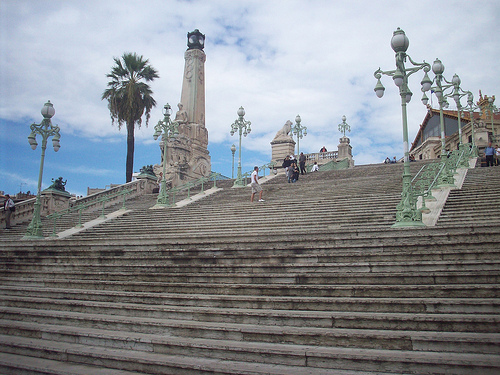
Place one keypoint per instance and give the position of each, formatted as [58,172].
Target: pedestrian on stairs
[254,183]
[489,152]
[9,208]
[302,163]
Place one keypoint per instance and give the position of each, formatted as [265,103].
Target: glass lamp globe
[48,110]
[399,41]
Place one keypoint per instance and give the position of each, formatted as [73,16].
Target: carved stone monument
[283,143]
[187,154]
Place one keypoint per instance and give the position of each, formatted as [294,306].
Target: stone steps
[457,322]
[222,286]
[340,278]
[262,270]
[429,341]
[438,305]
[260,286]
[306,359]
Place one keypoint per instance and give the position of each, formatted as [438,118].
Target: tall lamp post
[441,85]
[471,107]
[344,125]
[299,130]
[492,109]
[168,129]
[407,214]
[233,150]
[45,129]
[241,126]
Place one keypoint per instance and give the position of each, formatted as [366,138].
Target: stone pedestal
[53,200]
[481,135]
[281,148]
[345,150]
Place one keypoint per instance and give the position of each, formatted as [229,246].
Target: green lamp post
[233,150]
[168,129]
[45,129]
[407,214]
[446,178]
[471,107]
[299,130]
[492,109]
[241,126]
[344,125]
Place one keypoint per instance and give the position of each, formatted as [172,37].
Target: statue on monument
[181,116]
[284,132]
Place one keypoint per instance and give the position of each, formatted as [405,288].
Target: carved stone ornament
[285,132]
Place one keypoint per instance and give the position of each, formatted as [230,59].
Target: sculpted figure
[58,184]
[284,132]
[181,116]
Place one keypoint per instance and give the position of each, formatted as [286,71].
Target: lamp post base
[238,183]
[34,231]
[408,224]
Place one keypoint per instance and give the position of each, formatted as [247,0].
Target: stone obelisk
[187,155]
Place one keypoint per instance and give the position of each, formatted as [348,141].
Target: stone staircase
[312,281]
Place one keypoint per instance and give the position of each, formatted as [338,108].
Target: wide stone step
[396,305]
[327,319]
[318,361]
[329,337]
[270,271]
[321,253]
[14,364]
[260,286]
[319,278]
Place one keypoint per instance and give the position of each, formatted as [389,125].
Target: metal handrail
[192,184]
[429,175]
[59,214]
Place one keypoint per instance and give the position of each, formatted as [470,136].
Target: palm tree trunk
[129,168]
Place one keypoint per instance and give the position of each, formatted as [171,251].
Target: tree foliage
[130,97]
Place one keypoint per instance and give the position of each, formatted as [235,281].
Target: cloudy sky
[276,58]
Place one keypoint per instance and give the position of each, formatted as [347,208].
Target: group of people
[394,161]
[292,172]
[291,169]
[492,155]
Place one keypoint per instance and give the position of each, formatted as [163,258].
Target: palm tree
[129,97]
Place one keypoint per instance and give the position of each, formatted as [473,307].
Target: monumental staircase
[312,281]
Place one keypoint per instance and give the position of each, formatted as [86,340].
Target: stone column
[187,155]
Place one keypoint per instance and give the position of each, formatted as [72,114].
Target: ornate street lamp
[344,125]
[242,127]
[299,131]
[457,94]
[233,150]
[167,129]
[492,109]
[471,107]
[407,214]
[446,178]
[45,129]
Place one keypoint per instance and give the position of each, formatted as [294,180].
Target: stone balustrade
[321,157]
[52,202]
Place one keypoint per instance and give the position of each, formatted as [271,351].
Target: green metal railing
[202,181]
[433,175]
[81,207]
[271,166]
[333,165]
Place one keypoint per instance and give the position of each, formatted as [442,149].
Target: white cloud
[276,58]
